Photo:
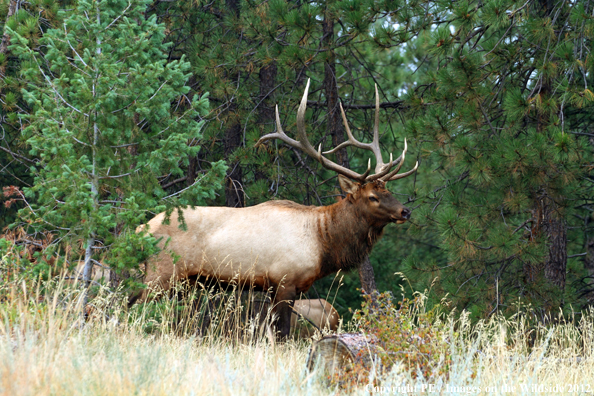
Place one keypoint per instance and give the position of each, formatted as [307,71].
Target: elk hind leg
[285,298]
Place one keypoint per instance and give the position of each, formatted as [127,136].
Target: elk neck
[346,234]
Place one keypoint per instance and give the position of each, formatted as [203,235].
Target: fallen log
[339,353]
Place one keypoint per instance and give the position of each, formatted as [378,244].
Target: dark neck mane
[346,236]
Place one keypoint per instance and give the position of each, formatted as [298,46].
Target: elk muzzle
[402,216]
[405,213]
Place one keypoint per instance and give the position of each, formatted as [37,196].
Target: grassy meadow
[48,348]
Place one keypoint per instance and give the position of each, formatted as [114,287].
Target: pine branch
[384,105]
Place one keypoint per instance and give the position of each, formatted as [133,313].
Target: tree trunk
[334,118]
[266,116]
[94,182]
[267,77]
[336,131]
[589,260]
[234,196]
[556,264]
[548,221]
[367,277]
[589,266]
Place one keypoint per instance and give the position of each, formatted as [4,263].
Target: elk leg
[160,275]
[285,298]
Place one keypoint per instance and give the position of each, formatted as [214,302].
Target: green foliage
[18,265]
[501,130]
[110,117]
[407,333]
[403,334]
[31,20]
[494,98]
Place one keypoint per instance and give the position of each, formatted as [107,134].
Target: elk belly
[263,244]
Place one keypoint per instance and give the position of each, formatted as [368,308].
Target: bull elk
[282,245]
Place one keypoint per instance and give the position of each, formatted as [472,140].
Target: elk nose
[405,214]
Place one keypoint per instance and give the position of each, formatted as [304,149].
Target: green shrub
[405,333]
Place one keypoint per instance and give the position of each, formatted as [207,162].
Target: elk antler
[382,171]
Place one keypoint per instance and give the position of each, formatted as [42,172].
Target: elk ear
[347,185]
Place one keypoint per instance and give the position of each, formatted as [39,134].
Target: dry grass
[507,357]
[45,349]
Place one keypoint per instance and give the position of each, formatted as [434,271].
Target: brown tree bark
[556,264]
[336,131]
[334,119]
[266,116]
[550,222]
[589,259]
[234,195]
[589,266]
[267,76]
[367,277]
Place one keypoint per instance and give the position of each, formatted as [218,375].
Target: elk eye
[373,199]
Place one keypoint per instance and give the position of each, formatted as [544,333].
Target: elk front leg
[285,298]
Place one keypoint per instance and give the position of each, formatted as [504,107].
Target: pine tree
[31,20]
[110,120]
[499,111]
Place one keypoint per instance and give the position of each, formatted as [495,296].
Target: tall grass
[503,356]
[48,348]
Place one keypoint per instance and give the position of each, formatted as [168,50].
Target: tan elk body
[280,244]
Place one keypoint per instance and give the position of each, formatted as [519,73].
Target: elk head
[367,190]
[375,201]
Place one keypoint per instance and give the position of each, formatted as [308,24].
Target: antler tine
[301,133]
[308,148]
[400,161]
[373,147]
[280,134]
[382,171]
[385,170]
[387,175]
[379,165]
[402,175]
[303,143]
[352,141]
[393,175]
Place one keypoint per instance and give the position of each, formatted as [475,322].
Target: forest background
[113,111]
